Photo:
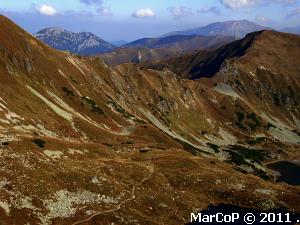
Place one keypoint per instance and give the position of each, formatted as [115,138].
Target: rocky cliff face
[83,43]
[86,143]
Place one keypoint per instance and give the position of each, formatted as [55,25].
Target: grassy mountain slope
[82,142]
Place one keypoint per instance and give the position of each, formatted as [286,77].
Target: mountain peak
[85,43]
[235,28]
[52,30]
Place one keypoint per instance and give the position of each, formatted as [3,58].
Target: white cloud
[180,11]
[143,13]
[47,10]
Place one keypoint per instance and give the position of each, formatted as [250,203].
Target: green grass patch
[94,107]
[73,80]
[247,121]
[239,85]
[240,155]
[240,120]
[258,140]
[161,98]
[296,132]
[119,109]
[269,126]
[190,148]
[107,144]
[127,143]
[250,154]
[236,158]
[262,174]
[40,143]
[214,147]
[255,121]
[237,82]
[122,111]
[276,99]
[68,92]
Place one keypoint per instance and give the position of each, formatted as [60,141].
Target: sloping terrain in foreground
[83,143]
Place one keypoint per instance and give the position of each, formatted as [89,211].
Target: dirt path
[118,207]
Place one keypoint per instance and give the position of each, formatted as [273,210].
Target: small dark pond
[289,171]
[235,215]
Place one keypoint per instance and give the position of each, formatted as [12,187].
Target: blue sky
[133,19]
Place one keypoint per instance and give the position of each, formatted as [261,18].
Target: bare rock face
[82,142]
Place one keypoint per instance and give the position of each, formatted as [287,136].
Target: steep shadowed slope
[84,143]
[269,47]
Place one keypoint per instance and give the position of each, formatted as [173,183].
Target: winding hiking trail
[151,171]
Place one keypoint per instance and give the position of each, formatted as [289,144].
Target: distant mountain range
[170,45]
[84,43]
[119,43]
[237,29]
[293,30]
[153,49]
[186,42]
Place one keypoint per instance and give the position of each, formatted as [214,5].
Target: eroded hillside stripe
[64,114]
